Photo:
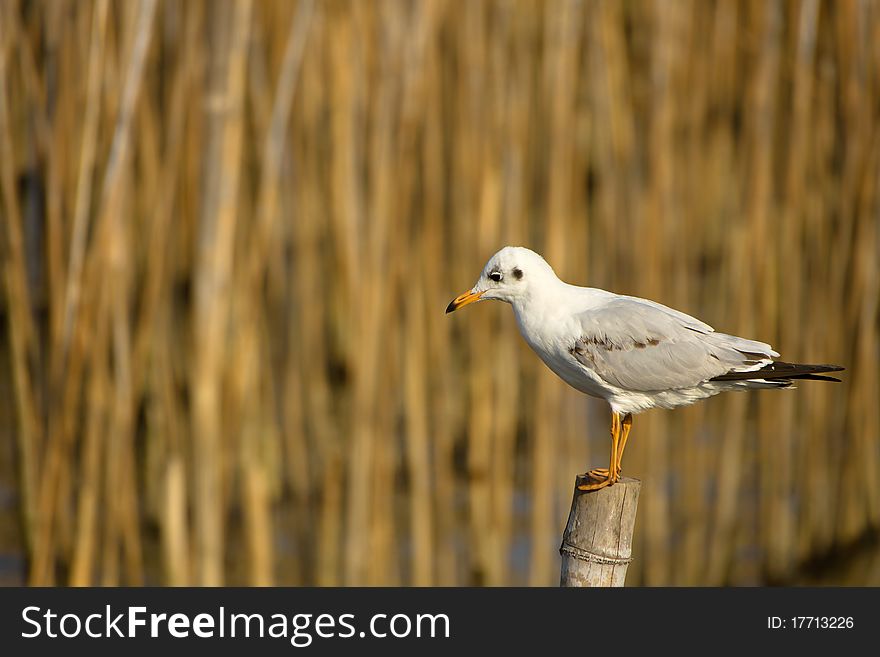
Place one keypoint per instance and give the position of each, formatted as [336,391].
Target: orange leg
[626,425]
[602,476]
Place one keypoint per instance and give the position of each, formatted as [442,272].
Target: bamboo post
[597,543]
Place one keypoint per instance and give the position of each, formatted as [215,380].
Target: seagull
[634,353]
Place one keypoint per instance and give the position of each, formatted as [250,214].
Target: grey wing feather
[688,321]
[643,346]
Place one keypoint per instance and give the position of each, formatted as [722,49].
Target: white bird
[634,353]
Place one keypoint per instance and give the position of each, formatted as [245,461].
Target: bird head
[510,276]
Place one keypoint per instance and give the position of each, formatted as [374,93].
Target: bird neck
[543,299]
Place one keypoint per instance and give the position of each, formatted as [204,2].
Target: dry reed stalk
[859,180]
[316,435]
[228,42]
[84,181]
[654,217]
[119,269]
[254,460]
[761,108]
[793,296]
[491,213]
[472,186]
[691,72]
[446,407]
[820,494]
[730,446]
[417,432]
[388,118]
[347,218]
[560,72]
[18,305]
[56,482]
[175,543]
[510,70]
[368,299]
[158,274]
[99,396]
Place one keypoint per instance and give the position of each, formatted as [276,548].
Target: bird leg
[626,425]
[606,477]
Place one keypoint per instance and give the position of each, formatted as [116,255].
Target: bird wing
[643,346]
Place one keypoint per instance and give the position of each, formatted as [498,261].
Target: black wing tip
[782,371]
[818,377]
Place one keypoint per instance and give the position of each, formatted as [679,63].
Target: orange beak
[463,300]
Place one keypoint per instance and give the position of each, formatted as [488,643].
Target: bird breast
[548,339]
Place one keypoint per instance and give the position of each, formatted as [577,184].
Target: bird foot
[599,478]
[598,474]
[596,485]
[601,474]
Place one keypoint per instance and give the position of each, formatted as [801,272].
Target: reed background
[230,230]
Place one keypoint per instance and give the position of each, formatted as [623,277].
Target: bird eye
[517,273]
[496,276]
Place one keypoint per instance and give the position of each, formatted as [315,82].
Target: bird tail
[782,374]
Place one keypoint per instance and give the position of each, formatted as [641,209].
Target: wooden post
[597,544]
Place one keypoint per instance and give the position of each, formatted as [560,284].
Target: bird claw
[598,478]
[596,485]
[598,474]
[601,474]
